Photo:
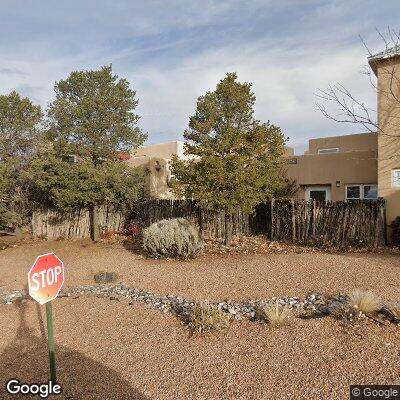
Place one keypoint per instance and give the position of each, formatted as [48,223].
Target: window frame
[361,187]
[394,172]
[326,150]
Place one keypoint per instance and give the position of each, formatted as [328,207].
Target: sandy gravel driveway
[115,349]
[213,277]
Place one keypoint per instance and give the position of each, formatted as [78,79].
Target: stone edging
[316,303]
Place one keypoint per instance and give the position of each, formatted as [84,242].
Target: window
[361,192]
[395,177]
[370,192]
[318,195]
[353,192]
[328,151]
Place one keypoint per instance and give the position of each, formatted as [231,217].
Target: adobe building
[337,168]
[156,158]
[386,66]
[340,168]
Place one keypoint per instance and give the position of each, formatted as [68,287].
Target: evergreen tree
[234,160]
[20,123]
[92,117]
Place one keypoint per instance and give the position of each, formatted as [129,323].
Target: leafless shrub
[345,312]
[364,301]
[207,319]
[172,238]
[392,311]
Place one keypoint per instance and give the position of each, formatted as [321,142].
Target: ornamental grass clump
[277,314]
[175,238]
[365,302]
[206,319]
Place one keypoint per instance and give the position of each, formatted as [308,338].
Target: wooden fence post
[293,222]
[272,219]
[314,218]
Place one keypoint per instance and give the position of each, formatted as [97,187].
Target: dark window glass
[353,192]
[318,195]
[370,192]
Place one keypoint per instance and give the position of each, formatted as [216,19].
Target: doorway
[318,193]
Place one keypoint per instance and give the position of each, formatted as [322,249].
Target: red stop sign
[46,278]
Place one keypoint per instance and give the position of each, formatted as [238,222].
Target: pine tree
[233,159]
[93,117]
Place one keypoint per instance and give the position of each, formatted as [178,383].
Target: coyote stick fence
[339,224]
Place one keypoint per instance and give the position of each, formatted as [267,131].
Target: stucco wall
[363,141]
[389,136]
[325,169]
[162,150]
[158,176]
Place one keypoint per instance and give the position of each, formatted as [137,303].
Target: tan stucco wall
[389,124]
[361,141]
[159,173]
[162,150]
[289,151]
[325,169]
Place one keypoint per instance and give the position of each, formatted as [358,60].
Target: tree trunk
[94,224]
[228,229]
[201,223]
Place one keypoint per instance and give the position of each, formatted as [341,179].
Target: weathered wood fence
[315,223]
[52,224]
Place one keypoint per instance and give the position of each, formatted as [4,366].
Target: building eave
[374,60]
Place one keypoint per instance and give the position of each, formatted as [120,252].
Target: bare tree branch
[351,110]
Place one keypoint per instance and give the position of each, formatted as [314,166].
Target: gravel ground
[234,276]
[116,350]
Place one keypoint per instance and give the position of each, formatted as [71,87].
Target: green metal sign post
[51,343]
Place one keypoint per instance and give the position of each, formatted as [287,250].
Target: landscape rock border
[314,303]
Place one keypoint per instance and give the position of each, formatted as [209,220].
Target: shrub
[276,314]
[206,319]
[392,311]
[172,238]
[366,302]
[105,277]
[345,312]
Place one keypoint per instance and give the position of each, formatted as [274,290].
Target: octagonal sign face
[45,278]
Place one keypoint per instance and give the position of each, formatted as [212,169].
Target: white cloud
[173,51]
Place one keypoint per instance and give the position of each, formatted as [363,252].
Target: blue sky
[173,51]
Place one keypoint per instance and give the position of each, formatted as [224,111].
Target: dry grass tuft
[206,319]
[277,315]
[366,302]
